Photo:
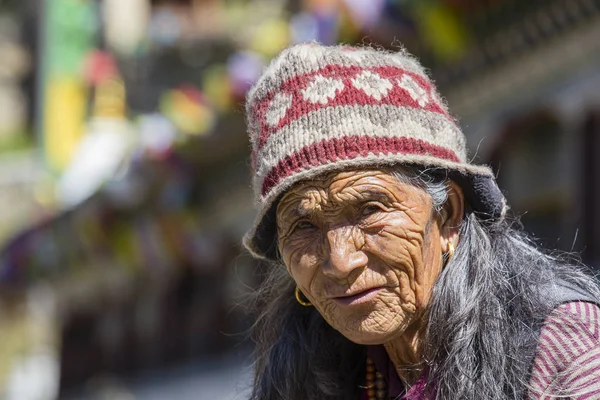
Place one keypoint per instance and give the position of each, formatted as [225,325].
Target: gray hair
[484,317]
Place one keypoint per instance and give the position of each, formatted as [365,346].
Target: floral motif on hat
[415,90]
[322,89]
[278,107]
[372,84]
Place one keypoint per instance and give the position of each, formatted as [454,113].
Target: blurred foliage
[9,5]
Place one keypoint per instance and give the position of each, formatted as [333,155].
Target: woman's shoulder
[577,318]
[567,361]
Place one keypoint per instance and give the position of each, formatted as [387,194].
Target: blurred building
[124,165]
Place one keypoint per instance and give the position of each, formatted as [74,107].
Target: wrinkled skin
[369,235]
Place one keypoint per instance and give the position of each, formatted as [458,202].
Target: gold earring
[299,298]
[451,250]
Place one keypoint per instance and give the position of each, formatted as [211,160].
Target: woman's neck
[404,352]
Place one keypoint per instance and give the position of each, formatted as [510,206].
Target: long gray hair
[484,317]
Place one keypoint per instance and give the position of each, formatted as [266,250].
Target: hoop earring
[299,298]
[451,250]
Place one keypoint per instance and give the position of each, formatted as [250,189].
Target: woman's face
[365,249]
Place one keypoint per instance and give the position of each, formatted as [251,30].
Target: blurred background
[124,179]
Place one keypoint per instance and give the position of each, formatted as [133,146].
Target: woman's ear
[454,210]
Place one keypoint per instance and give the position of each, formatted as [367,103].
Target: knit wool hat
[318,109]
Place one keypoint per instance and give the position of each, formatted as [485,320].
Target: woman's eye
[370,209]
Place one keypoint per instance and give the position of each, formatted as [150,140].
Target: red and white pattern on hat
[319,106]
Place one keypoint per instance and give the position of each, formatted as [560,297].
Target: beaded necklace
[375,383]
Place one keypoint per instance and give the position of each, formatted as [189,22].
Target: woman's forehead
[346,186]
[339,181]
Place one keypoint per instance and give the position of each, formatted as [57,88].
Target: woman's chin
[370,334]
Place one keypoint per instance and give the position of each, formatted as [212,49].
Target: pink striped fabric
[567,361]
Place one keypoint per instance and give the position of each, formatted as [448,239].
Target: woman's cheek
[302,261]
[406,293]
[293,245]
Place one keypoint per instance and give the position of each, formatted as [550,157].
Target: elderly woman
[395,273]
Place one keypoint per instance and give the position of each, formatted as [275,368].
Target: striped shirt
[567,361]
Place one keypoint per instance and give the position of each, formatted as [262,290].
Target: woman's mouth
[358,298]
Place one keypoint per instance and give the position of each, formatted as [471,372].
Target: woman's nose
[345,255]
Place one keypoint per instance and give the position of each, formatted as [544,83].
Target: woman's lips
[358,298]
